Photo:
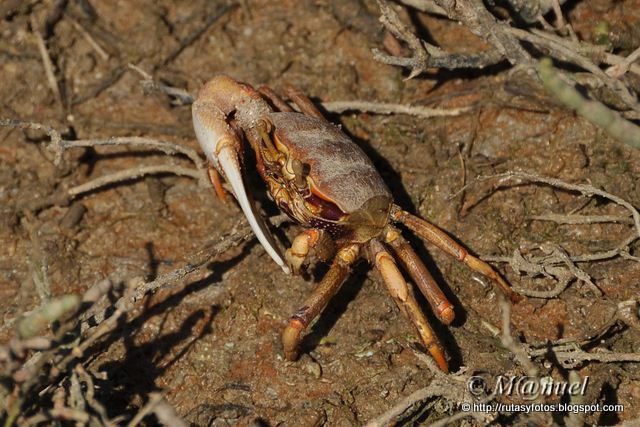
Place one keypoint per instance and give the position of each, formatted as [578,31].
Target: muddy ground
[212,342]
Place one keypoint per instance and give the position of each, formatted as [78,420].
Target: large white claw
[228,161]
[219,142]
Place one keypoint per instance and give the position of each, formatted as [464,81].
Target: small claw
[221,145]
[214,176]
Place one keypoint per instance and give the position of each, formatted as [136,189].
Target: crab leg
[275,99]
[445,243]
[303,102]
[439,303]
[223,148]
[318,300]
[214,176]
[406,302]
[312,238]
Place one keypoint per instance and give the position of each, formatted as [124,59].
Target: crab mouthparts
[228,162]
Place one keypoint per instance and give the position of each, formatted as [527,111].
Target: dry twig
[58,145]
[510,344]
[548,264]
[388,108]
[595,112]
[46,61]
[582,219]
[584,189]
[186,98]
[89,38]
[506,42]
[27,376]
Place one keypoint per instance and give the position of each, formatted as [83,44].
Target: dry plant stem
[56,139]
[167,415]
[538,7]
[112,77]
[559,253]
[570,355]
[509,343]
[58,146]
[559,49]
[138,288]
[389,417]
[586,190]
[46,61]
[90,395]
[561,285]
[392,22]
[124,305]
[452,387]
[27,373]
[575,418]
[151,86]
[535,265]
[154,400]
[428,6]
[92,42]
[597,256]
[130,174]
[481,418]
[64,197]
[585,51]
[582,219]
[241,232]
[331,106]
[620,69]
[389,108]
[444,60]
[182,95]
[166,147]
[199,31]
[425,55]
[506,42]
[45,315]
[557,10]
[59,414]
[474,15]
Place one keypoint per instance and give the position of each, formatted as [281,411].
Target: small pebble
[73,216]
[313,368]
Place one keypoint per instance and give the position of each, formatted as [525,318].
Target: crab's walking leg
[318,300]
[439,238]
[304,242]
[439,303]
[303,102]
[275,99]
[405,300]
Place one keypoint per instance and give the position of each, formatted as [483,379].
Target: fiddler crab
[323,181]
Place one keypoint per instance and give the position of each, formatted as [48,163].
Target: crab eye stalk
[221,145]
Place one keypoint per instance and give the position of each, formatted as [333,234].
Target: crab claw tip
[228,161]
